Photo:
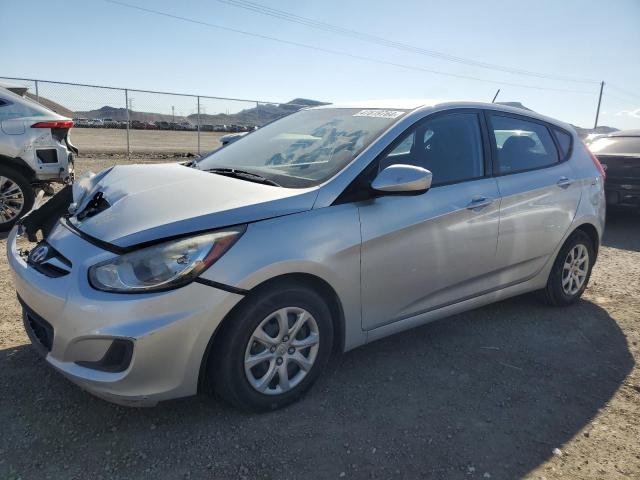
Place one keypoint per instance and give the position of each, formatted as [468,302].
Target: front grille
[39,330]
[48,261]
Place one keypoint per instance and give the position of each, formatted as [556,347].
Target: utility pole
[173,114]
[595,124]
[126,102]
[198,125]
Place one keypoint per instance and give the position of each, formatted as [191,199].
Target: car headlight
[164,266]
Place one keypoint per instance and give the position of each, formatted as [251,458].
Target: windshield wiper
[243,175]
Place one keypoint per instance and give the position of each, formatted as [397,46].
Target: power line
[337,52]
[625,92]
[607,96]
[290,17]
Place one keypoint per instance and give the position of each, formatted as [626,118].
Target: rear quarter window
[10,110]
[564,142]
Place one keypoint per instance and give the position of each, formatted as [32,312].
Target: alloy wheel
[11,200]
[281,350]
[574,270]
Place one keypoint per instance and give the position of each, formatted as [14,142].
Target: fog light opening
[116,359]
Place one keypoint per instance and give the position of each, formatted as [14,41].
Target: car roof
[420,104]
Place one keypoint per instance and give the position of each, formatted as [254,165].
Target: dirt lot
[491,393]
[109,140]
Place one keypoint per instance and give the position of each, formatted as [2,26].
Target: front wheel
[16,197]
[274,348]
[570,272]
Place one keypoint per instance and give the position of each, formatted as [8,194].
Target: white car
[81,122]
[35,151]
[109,123]
[232,137]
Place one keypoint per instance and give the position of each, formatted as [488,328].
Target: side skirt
[421,319]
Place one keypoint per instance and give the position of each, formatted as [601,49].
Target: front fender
[324,243]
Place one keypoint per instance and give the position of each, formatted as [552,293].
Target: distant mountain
[259,115]
[120,114]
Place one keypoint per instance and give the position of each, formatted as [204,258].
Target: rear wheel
[571,271]
[16,197]
[275,347]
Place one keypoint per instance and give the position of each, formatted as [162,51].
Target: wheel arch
[314,282]
[592,232]
[18,165]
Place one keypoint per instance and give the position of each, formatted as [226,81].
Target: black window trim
[554,129]
[488,113]
[373,166]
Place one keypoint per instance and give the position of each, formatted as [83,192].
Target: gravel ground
[109,140]
[511,390]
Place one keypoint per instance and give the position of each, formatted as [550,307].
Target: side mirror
[402,179]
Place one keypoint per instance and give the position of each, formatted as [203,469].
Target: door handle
[564,182]
[479,202]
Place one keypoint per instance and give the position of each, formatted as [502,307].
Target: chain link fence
[130,122]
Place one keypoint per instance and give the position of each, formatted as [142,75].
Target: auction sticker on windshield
[379,113]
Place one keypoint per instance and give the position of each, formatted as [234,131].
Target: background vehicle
[81,122]
[232,137]
[109,123]
[35,151]
[619,154]
[326,229]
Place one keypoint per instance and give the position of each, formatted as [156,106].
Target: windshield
[616,146]
[306,148]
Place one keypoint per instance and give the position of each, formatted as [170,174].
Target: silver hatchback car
[320,232]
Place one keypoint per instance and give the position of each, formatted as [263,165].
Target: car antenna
[495,96]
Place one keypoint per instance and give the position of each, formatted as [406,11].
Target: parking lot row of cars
[159,125]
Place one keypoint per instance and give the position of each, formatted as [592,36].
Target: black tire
[27,193]
[225,367]
[553,293]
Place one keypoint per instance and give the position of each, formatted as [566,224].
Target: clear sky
[96,42]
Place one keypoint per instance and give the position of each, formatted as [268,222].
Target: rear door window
[522,145]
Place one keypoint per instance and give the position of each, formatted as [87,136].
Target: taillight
[597,163]
[57,124]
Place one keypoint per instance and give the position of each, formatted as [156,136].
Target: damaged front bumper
[159,339]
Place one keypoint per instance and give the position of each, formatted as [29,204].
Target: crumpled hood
[150,202]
